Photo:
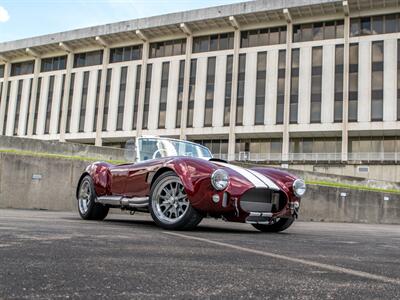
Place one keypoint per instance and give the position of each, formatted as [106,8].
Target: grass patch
[352,187]
[56,156]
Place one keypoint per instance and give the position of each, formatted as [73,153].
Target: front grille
[262,200]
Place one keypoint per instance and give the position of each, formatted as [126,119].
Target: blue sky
[27,18]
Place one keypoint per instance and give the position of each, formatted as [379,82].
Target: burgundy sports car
[180,183]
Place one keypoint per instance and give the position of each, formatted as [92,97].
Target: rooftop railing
[374,156]
[314,157]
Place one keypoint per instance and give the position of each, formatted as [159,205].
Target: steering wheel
[159,152]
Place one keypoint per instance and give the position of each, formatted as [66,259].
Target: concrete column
[345,134]
[142,91]
[7,69]
[285,135]
[65,96]
[235,72]
[186,81]
[390,82]
[102,94]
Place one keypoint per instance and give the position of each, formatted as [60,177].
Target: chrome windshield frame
[138,156]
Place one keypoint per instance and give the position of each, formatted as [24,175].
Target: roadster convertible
[180,183]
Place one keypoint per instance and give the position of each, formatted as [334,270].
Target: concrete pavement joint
[292,259]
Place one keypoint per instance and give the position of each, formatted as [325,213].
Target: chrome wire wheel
[170,202]
[85,196]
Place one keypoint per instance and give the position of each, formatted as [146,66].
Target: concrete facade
[236,19]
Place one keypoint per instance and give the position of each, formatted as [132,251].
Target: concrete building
[292,81]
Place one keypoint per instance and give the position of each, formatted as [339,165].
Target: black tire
[94,211]
[189,219]
[280,225]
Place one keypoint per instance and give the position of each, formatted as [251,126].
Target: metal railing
[223,156]
[258,157]
[374,156]
[314,157]
[326,157]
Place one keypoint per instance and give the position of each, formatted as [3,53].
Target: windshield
[151,148]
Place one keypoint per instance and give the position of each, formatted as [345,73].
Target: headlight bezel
[298,185]
[214,178]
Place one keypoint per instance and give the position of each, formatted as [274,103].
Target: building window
[37,103]
[263,37]
[6,109]
[168,48]
[70,98]
[281,86]
[318,31]
[353,82]
[294,86]
[218,148]
[1,71]
[316,85]
[260,88]
[49,104]
[338,98]
[163,95]
[121,98]
[377,82]
[53,63]
[1,90]
[240,89]
[147,96]
[192,90]
[29,104]
[126,53]
[137,92]
[228,90]
[96,107]
[215,42]
[61,104]
[209,103]
[375,25]
[180,93]
[82,114]
[107,99]
[18,106]
[375,145]
[315,145]
[258,149]
[398,80]
[87,59]
[22,68]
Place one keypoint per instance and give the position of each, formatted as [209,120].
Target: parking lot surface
[57,255]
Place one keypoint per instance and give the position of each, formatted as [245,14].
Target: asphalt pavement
[50,255]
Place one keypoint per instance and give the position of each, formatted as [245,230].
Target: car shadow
[223,227]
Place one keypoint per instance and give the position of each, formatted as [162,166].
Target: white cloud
[4,16]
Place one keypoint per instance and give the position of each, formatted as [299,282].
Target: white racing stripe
[265,179]
[256,178]
[309,263]
[258,183]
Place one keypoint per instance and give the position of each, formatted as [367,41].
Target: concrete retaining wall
[48,183]
[326,204]
[343,179]
[55,147]
[386,172]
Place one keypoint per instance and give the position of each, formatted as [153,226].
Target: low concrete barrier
[331,204]
[55,147]
[47,183]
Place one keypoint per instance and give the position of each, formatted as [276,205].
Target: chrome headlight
[220,179]
[299,187]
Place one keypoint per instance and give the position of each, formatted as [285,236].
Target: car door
[137,184]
